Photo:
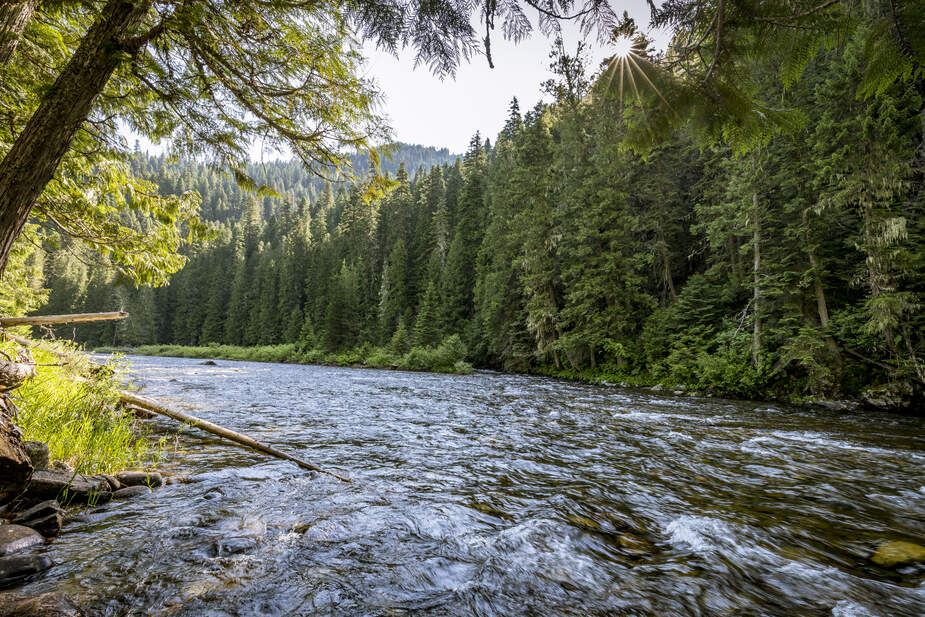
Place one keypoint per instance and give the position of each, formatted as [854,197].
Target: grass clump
[81,421]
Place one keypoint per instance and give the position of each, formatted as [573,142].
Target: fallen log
[148,404]
[45,320]
[144,403]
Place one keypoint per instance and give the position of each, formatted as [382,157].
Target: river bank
[66,444]
[900,397]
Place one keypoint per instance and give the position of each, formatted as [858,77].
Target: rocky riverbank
[37,498]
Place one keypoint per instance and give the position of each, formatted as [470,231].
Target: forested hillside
[796,268]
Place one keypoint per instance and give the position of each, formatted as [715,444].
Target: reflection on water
[502,495]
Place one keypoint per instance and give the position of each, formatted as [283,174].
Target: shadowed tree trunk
[31,162]
[14,16]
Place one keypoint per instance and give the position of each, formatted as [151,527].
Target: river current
[493,494]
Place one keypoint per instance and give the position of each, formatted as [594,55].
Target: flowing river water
[493,494]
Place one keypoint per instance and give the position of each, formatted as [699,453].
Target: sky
[424,110]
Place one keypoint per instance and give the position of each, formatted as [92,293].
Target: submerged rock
[140,478]
[634,544]
[208,363]
[131,491]
[14,538]
[44,605]
[15,568]
[898,553]
[38,453]
[66,487]
[45,518]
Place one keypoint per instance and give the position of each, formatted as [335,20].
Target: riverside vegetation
[794,270]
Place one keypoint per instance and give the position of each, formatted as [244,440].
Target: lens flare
[623,47]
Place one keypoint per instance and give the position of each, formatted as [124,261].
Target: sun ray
[646,77]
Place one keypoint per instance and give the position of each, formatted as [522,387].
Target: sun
[623,47]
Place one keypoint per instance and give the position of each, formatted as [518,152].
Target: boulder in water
[45,518]
[898,553]
[14,538]
[54,604]
[131,491]
[208,363]
[15,568]
[66,487]
[140,478]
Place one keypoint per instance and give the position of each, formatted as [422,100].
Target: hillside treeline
[795,268]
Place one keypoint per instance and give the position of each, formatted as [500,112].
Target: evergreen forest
[793,268]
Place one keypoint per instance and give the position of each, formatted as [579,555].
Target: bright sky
[424,110]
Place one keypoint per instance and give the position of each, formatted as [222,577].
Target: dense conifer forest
[793,269]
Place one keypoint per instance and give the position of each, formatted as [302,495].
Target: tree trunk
[666,263]
[31,162]
[756,245]
[14,17]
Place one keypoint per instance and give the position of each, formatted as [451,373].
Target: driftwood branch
[42,320]
[144,403]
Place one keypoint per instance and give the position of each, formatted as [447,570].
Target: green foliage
[794,269]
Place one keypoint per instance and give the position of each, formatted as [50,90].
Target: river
[494,494]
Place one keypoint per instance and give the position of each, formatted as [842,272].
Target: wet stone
[15,569]
[233,546]
[45,518]
[208,363]
[14,538]
[66,487]
[634,544]
[44,605]
[140,478]
[130,492]
[114,484]
[38,453]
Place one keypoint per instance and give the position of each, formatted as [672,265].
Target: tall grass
[81,421]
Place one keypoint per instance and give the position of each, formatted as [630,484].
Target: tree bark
[14,17]
[31,162]
[756,266]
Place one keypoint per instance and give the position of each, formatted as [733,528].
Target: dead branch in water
[144,403]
